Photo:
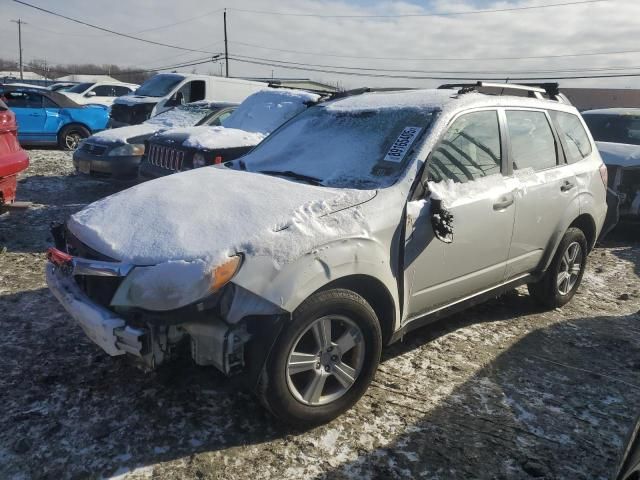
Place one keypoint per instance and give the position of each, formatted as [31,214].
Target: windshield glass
[614,128]
[81,87]
[362,149]
[159,86]
[181,116]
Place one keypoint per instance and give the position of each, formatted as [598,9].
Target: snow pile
[621,154]
[211,138]
[211,213]
[422,99]
[266,110]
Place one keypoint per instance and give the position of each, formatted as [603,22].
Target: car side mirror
[90,94]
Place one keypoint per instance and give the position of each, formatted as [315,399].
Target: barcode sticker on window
[402,144]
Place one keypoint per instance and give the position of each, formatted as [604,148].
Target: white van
[167,90]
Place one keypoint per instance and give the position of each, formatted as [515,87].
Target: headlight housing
[173,284]
[128,149]
[199,160]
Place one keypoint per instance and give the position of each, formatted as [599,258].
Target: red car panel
[13,159]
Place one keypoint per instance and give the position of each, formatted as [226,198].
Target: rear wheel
[324,360]
[70,136]
[560,282]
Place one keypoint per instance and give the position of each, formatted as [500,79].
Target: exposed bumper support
[102,326]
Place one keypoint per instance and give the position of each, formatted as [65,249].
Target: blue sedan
[49,118]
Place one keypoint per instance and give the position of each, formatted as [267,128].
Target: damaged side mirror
[441,221]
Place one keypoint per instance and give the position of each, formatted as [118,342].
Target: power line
[509,72]
[180,22]
[425,59]
[432,77]
[81,22]
[406,15]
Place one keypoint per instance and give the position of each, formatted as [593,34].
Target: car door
[30,115]
[546,188]
[464,171]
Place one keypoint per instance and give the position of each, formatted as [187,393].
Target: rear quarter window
[575,140]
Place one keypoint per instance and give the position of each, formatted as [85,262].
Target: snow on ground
[503,390]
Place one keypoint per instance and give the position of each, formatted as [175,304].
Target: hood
[136,100]
[212,138]
[621,154]
[139,133]
[208,214]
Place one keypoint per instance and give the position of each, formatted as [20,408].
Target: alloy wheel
[570,267]
[72,140]
[325,360]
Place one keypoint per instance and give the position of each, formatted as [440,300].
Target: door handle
[504,202]
[566,186]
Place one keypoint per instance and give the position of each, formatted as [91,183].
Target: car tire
[70,137]
[310,379]
[561,280]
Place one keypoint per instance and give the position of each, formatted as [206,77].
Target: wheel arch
[74,123]
[376,294]
[587,225]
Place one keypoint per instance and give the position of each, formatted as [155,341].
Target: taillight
[6,119]
[604,174]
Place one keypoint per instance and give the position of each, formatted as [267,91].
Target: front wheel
[324,361]
[562,279]
[71,136]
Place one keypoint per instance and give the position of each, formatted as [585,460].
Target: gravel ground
[503,390]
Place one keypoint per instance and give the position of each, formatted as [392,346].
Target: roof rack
[536,90]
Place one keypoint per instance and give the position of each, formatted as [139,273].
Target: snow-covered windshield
[612,128]
[159,86]
[364,149]
[81,87]
[181,116]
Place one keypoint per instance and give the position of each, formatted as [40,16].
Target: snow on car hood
[122,134]
[208,214]
[212,138]
[622,154]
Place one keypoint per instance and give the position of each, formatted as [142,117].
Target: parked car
[167,90]
[193,147]
[117,152]
[50,118]
[360,219]
[13,159]
[99,93]
[617,135]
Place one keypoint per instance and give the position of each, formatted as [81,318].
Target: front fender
[290,286]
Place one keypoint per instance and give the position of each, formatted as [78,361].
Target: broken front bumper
[105,328]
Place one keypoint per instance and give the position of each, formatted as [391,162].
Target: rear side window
[121,90]
[104,91]
[469,150]
[575,139]
[532,142]
[23,99]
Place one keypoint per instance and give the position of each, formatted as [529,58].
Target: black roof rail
[537,90]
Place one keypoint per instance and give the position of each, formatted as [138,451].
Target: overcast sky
[610,25]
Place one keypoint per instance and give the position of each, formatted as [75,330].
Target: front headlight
[199,160]
[173,284]
[134,150]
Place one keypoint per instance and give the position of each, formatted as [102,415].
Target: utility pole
[226,47]
[20,22]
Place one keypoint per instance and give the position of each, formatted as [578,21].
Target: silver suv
[360,219]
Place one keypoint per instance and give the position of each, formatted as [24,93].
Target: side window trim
[560,157]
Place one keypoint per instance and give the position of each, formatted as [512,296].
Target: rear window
[618,128]
[575,139]
[532,142]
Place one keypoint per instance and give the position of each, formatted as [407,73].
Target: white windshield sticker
[402,144]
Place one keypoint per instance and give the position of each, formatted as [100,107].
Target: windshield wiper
[294,175]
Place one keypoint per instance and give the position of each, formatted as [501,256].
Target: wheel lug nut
[329,349]
[334,357]
[327,368]
[318,365]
